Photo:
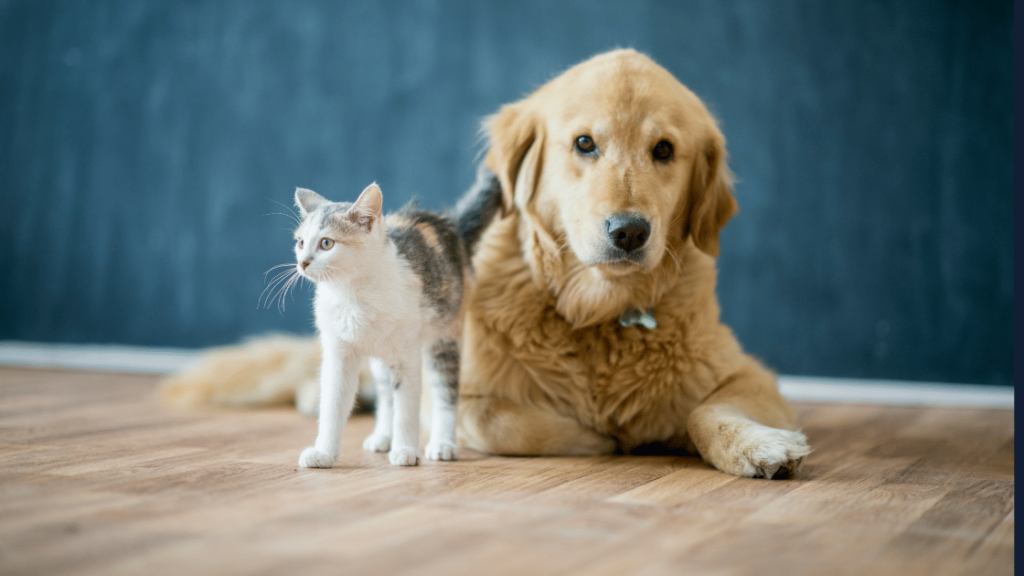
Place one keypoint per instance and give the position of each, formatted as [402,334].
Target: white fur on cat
[368,305]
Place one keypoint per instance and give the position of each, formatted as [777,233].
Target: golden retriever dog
[614,189]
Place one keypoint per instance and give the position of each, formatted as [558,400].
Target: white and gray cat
[391,290]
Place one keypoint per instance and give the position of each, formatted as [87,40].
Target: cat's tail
[477,207]
[265,371]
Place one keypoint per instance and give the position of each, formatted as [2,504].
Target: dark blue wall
[145,145]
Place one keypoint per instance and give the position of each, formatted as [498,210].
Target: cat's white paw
[404,457]
[441,451]
[377,443]
[313,458]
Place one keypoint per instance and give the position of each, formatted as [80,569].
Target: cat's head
[338,240]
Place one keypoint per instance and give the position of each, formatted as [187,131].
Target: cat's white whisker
[297,221]
[272,268]
[283,293]
[273,283]
[277,295]
[279,284]
[270,286]
[291,212]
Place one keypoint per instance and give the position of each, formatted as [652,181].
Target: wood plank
[97,478]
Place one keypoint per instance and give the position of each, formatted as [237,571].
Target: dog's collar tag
[643,317]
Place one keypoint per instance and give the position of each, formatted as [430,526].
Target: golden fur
[546,367]
[264,371]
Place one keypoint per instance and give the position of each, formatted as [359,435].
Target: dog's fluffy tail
[265,371]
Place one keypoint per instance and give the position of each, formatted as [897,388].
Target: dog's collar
[643,317]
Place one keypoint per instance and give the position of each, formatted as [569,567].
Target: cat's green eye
[326,244]
[299,242]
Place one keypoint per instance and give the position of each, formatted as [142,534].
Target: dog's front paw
[377,443]
[771,453]
[404,456]
[441,451]
[313,458]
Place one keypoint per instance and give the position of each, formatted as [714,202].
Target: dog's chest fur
[630,383]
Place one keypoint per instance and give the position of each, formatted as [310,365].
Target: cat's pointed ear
[307,201]
[368,207]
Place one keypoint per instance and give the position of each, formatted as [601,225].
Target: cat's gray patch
[439,273]
[328,213]
[444,358]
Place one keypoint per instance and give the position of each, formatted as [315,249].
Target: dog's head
[616,161]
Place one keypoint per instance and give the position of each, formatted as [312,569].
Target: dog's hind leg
[746,428]
[500,426]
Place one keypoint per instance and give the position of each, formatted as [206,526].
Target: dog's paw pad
[404,457]
[313,458]
[442,451]
[377,443]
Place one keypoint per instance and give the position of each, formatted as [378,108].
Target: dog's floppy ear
[516,145]
[711,202]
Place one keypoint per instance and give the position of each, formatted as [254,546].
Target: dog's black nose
[628,231]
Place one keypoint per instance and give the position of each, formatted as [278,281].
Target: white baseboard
[114,358]
[96,357]
[894,392]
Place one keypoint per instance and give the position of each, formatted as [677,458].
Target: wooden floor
[97,478]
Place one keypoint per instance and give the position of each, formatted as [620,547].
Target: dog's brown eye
[326,243]
[662,151]
[585,145]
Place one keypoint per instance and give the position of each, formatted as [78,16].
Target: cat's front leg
[384,382]
[339,380]
[406,441]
